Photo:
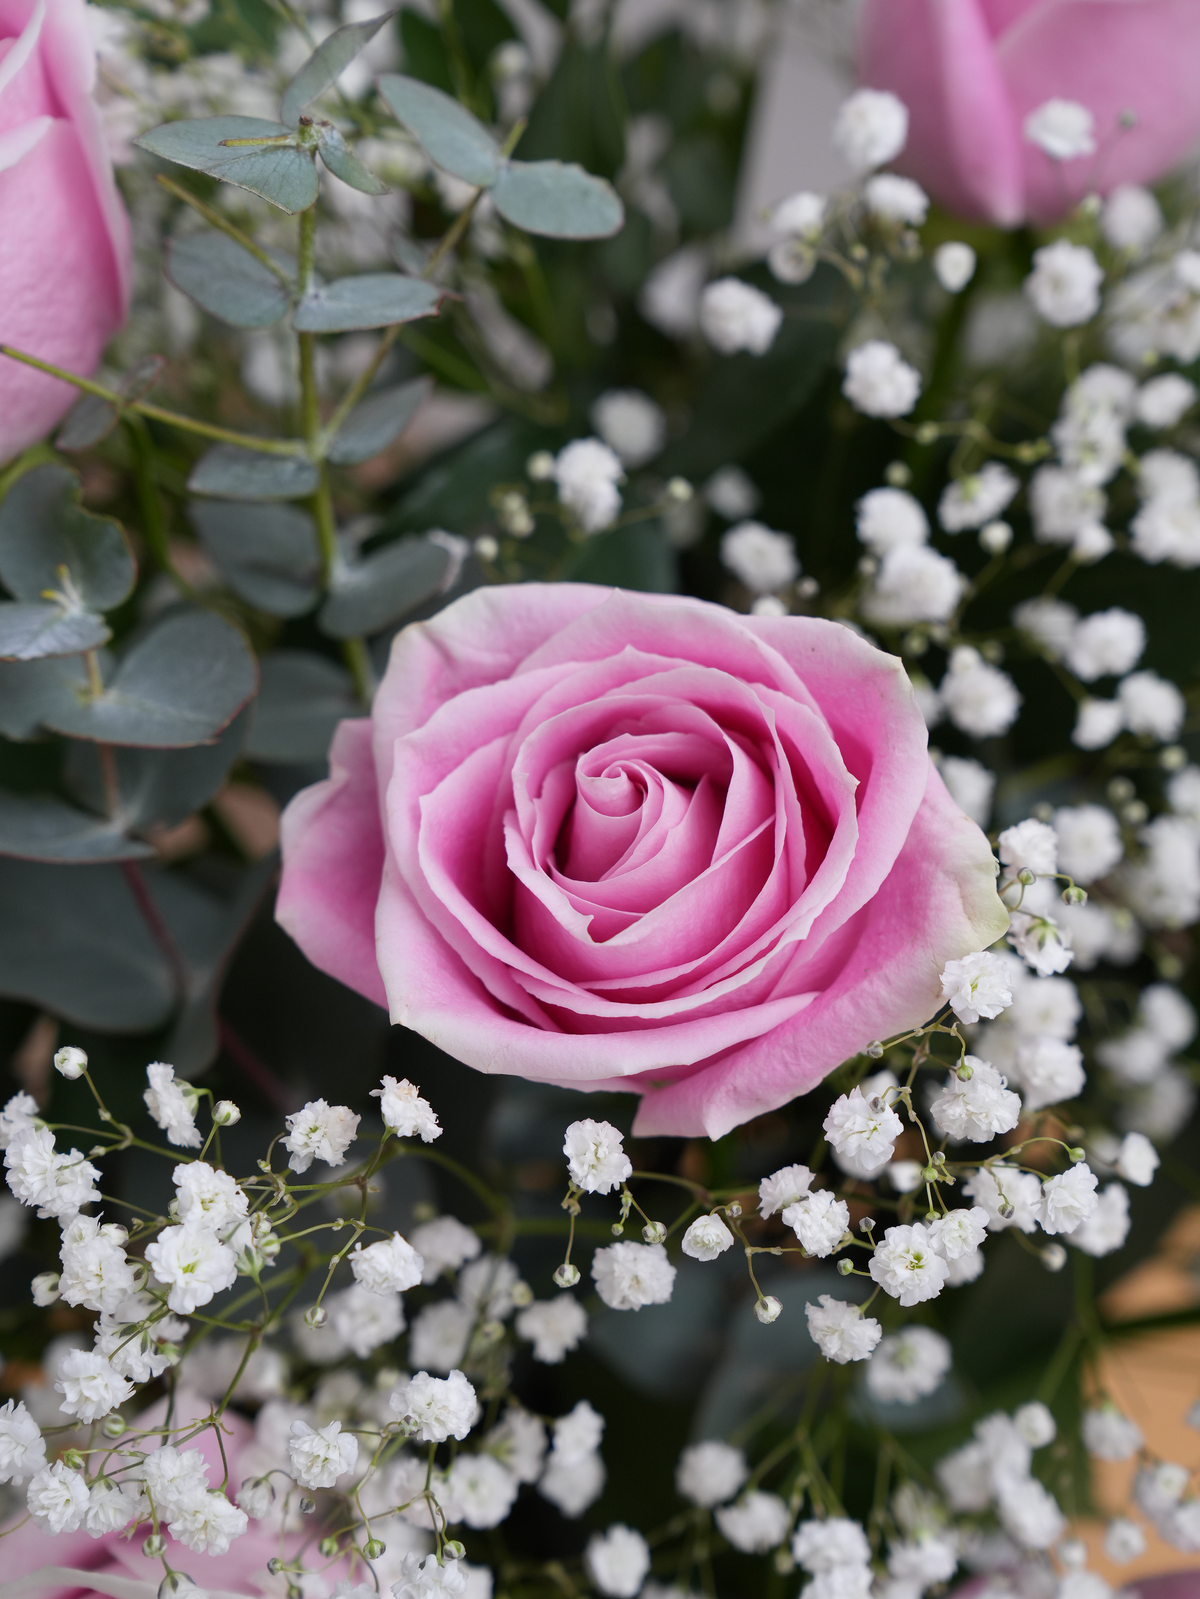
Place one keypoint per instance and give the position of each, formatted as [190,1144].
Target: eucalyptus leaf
[31,629]
[281,173]
[444,129]
[156,788]
[231,473]
[343,163]
[326,64]
[370,300]
[269,553]
[377,421]
[559,200]
[44,531]
[371,593]
[302,699]
[88,421]
[39,827]
[178,685]
[33,691]
[225,280]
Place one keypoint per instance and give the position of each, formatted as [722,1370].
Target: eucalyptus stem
[223,225]
[154,523]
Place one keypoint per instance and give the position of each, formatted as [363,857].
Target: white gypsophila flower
[387,1267]
[904,1175]
[553,1326]
[1124,1540]
[57,1499]
[1168,476]
[440,1335]
[1035,1423]
[172,1106]
[22,1448]
[978,698]
[764,561]
[966,1269]
[1106,643]
[1040,942]
[907,1266]
[887,519]
[1030,1514]
[176,1480]
[1107,1228]
[628,1276]
[1050,623]
[1064,129]
[669,299]
[757,1523]
[1097,723]
[819,1221]
[913,584]
[976,1108]
[1011,1198]
[976,986]
[1063,506]
[970,785]
[1168,1015]
[95,1271]
[1137,1160]
[630,423]
[870,128]
[587,473]
[736,316]
[441,1408]
[972,501]
[404,1112]
[573,1486]
[70,1062]
[1183,796]
[954,265]
[824,1545]
[486,1287]
[879,381]
[210,1526]
[1158,1487]
[1064,286]
[319,1131]
[840,1330]
[1138,1057]
[481,1490]
[1049,1072]
[1100,933]
[782,1188]
[444,1244]
[801,215]
[960,1232]
[1109,1435]
[1030,845]
[578,1433]
[110,1508]
[921,1562]
[710,1473]
[208,1197]
[193,1264]
[428,1578]
[519,1443]
[843,1582]
[1163,888]
[18,1116]
[320,1457]
[596,1159]
[1151,706]
[1068,1199]
[706,1238]
[865,1128]
[731,493]
[55,1182]
[1164,401]
[1089,842]
[364,1319]
[908,1366]
[617,1561]
[1131,219]
[894,199]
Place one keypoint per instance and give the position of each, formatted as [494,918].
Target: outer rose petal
[333,842]
[938,903]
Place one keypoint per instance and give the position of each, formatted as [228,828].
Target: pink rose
[65,263]
[625,841]
[971,71]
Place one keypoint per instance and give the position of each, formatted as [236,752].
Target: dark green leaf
[268,553]
[156,788]
[343,163]
[562,202]
[371,300]
[43,528]
[302,699]
[423,51]
[280,173]
[232,473]
[376,421]
[445,130]
[29,630]
[376,591]
[179,684]
[326,64]
[32,691]
[38,827]
[225,280]
[88,421]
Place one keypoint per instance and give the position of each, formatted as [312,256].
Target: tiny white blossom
[1049,1072]
[763,560]
[1151,706]
[208,1197]
[553,1326]
[1089,842]
[907,1266]
[801,215]
[871,128]
[519,1442]
[913,584]
[321,1131]
[824,1545]
[630,423]
[95,1271]
[1068,1199]
[1165,400]
[175,1479]
[732,494]
[972,501]
[879,382]
[628,1276]
[172,1105]
[840,1330]
[756,1523]
[1124,1540]
[1097,723]
[387,1267]
[1107,1228]
[1131,219]
[1137,1160]
[1062,505]
[706,1238]
[960,1232]
[578,1433]
[979,698]
[1031,845]
[1011,1198]
[1168,1015]
[976,986]
[70,1062]
[977,1108]
[440,1335]
[894,199]
[365,1319]
[819,1221]
[210,1525]
[18,1116]
[866,1129]
[587,473]
[1064,285]
[1030,1514]
[783,1188]
[193,1264]
[1109,1435]
[617,1561]
[1041,942]
[110,1508]
[596,1158]
[429,1578]
[486,1286]
[1035,1424]
[954,266]
[970,786]
[888,519]
[1064,129]
[736,316]
[444,1244]
[57,1499]
[56,1183]
[404,1112]
[441,1407]
[908,1366]
[22,1448]
[1106,643]
[710,1473]
[1051,623]
[319,1458]
[481,1490]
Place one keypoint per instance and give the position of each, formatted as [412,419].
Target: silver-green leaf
[268,553]
[447,132]
[225,280]
[40,827]
[376,591]
[343,163]
[326,64]
[45,532]
[302,699]
[277,171]
[370,300]
[154,788]
[231,473]
[30,630]
[377,421]
[556,199]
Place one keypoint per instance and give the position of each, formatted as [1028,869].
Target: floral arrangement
[571,584]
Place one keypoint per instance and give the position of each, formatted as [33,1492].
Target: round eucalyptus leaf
[371,300]
[445,130]
[88,421]
[326,64]
[231,473]
[377,421]
[29,630]
[302,699]
[44,529]
[39,827]
[268,553]
[225,280]
[33,691]
[344,164]
[559,200]
[278,172]
[374,592]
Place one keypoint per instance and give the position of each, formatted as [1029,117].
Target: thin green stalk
[154,523]
[223,225]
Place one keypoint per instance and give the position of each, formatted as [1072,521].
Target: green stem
[154,523]
[223,225]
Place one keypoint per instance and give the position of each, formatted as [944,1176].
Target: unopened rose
[613,840]
[972,71]
[65,264]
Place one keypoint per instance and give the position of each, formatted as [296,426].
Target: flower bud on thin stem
[768,1309]
[375,1547]
[453,1550]
[307,1505]
[328,1547]
[154,1546]
[316,1316]
[875,1049]
[566,1275]
[654,1232]
[1054,1257]
[226,1113]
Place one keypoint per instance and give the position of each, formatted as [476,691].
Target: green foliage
[371,300]
[230,472]
[302,698]
[267,553]
[248,152]
[562,202]
[370,594]
[377,421]
[455,139]
[326,64]
[225,280]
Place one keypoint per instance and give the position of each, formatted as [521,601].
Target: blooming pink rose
[625,841]
[65,264]
[971,71]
